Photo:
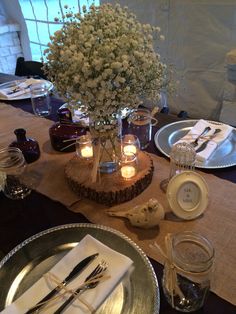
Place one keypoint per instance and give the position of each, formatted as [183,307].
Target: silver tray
[14,83]
[26,263]
[224,156]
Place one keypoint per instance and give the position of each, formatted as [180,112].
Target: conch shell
[147,215]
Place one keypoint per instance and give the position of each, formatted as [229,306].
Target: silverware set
[17,89]
[91,281]
[205,143]
[204,132]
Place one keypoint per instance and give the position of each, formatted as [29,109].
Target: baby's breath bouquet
[104,59]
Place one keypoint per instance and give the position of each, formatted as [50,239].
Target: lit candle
[87,151]
[130,150]
[128,172]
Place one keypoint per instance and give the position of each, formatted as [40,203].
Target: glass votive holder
[130,145]
[84,147]
[187,271]
[182,158]
[128,166]
[140,123]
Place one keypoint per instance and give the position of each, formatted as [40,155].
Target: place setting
[22,88]
[78,268]
[214,142]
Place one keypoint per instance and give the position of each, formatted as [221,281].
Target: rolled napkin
[118,266]
[20,88]
[214,140]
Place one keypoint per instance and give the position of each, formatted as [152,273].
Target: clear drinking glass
[12,168]
[192,262]
[40,99]
[140,124]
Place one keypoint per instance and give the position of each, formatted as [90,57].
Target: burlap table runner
[218,223]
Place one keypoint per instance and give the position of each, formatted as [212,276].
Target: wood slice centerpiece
[110,188]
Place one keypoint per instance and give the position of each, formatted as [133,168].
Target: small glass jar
[130,145]
[12,168]
[192,260]
[84,147]
[128,166]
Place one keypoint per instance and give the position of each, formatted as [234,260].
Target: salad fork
[101,267]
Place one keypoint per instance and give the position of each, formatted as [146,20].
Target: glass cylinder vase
[106,133]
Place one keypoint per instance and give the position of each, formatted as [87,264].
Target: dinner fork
[204,132]
[101,267]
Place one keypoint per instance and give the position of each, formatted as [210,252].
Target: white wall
[13,12]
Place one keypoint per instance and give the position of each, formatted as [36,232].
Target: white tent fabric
[198,33]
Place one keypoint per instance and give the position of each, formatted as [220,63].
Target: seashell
[147,215]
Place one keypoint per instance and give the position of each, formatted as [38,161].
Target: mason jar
[188,271]
[12,172]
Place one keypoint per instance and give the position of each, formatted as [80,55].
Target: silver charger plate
[14,83]
[27,262]
[224,155]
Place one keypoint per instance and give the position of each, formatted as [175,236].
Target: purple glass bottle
[28,146]
[64,133]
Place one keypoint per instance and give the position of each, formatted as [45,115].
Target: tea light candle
[87,152]
[130,145]
[84,147]
[128,172]
[130,150]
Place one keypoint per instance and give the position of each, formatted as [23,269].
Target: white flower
[105,60]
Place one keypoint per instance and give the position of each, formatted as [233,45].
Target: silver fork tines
[99,270]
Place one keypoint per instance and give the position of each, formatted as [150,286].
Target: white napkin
[118,266]
[219,138]
[17,90]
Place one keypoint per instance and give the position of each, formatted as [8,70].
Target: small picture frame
[188,195]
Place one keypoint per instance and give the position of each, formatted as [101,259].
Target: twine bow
[63,290]
[171,275]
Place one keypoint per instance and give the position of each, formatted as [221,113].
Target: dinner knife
[74,273]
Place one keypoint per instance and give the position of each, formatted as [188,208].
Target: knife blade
[202,146]
[74,273]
